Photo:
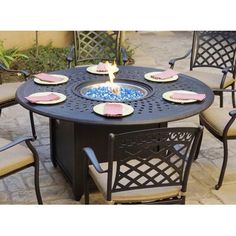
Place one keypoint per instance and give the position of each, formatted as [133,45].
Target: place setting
[46,98]
[113,109]
[162,76]
[103,68]
[183,96]
[50,79]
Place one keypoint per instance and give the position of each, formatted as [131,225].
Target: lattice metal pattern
[97,45]
[214,49]
[151,158]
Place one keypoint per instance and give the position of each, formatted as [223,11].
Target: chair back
[214,49]
[96,46]
[151,158]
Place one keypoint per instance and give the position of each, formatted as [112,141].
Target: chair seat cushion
[211,79]
[138,195]
[14,158]
[8,91]
[217,118]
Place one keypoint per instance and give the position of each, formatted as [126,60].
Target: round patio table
[74,125]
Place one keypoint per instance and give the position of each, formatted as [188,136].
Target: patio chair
[8,90]
[95,46]
[15,157]
[148,166]
[221,123]
[213,50]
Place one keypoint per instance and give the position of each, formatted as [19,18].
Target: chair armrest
[15,142]
[70,56]
[89,153]
[232,113]
[230,122]
[124,55]
[225,70]
[26,74]
[172,61]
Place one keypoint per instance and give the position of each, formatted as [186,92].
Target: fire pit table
[74,125]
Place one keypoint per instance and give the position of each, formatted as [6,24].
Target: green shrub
[9,56]
[49,59]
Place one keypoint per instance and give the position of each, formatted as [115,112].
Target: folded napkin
[165,74]
[102,67]
[43,98]
[48,78]
[188,96]
[113,109]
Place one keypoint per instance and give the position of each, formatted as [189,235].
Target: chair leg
[225,160]
[233,96]
[199,143]
[198,147]
[36,171]
[221,100]
[36,183]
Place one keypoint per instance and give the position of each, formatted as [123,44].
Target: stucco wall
[25,39]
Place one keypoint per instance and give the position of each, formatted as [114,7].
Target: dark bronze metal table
[74,125]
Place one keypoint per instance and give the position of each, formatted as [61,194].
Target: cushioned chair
[221,123]
[95,46]
[15,157]
[8,90]
[213,50]
[148,166]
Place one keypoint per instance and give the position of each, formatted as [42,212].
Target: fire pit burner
[102,91]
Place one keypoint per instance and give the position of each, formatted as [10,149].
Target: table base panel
[68,139]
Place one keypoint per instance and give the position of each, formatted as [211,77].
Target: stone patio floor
[152,49]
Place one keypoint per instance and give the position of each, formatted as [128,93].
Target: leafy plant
[49,59]
[8,56]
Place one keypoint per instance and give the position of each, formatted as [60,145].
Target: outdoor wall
[25,39]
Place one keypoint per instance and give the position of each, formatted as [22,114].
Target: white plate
[167,96]
[93,70]
[65,79]
[62,97]
[148,77]
[127,110]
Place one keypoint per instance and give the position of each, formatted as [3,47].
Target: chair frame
[224,59]
[75,51]
[35,164]
[27,140]
[113,153]
[13,101]
[224,139]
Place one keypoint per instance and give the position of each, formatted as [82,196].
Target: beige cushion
[14,157]
[8,91]
[217,118]
[211,79]
[142,195]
